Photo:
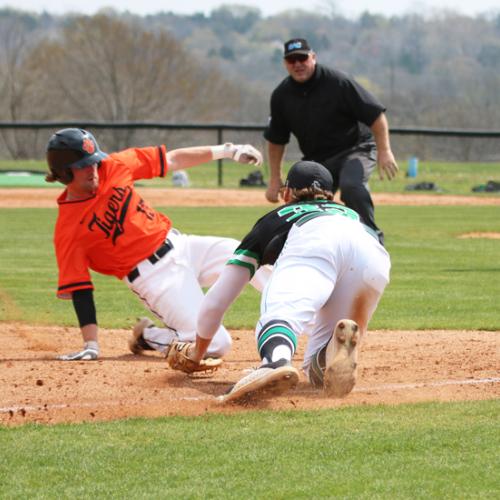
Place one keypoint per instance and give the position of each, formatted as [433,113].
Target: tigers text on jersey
[263,244]
[114,230]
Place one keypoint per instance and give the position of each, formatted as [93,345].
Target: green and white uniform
[328,266]
[263,244]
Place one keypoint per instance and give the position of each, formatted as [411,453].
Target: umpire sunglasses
[296,58]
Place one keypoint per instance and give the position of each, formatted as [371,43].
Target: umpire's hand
[273,192]
[386,164]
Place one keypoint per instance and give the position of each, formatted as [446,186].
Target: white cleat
[341,359]
[266,381]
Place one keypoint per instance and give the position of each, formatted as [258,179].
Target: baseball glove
[178,359]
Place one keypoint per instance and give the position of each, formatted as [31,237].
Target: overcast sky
[349,8]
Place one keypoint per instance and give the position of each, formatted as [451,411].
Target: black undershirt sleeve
[83,302]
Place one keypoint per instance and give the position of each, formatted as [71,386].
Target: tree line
[439,71]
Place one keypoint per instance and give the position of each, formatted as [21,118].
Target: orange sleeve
[73,269]
[143,163]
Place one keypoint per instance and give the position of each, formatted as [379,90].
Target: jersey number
[306,212]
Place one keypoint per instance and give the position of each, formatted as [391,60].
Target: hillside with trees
[439,71]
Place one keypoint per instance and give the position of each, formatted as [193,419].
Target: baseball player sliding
[329,274]
[104,225]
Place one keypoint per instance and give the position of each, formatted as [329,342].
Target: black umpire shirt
[324,113]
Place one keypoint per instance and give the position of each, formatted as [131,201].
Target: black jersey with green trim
[263,244]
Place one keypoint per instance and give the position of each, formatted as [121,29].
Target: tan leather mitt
[178,359]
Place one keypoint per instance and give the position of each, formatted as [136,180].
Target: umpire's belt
[165,247]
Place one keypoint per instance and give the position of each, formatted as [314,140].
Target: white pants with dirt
[172,287]
[330,269]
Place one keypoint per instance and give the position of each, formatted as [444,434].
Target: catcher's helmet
[71,148]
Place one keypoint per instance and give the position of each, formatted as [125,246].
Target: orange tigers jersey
[112,231]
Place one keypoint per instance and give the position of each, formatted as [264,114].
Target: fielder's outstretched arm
[216,302]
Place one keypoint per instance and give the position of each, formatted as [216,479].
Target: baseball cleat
[341,359]
[266,381]
[136,343]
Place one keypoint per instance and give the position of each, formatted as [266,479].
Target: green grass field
[446,450]
[408,451]
[438,280]
[452,178]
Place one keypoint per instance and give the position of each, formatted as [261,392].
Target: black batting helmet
[71,148]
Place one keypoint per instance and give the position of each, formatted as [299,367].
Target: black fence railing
[231,126]
[221,127]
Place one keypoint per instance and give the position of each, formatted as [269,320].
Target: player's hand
[242,153]
[386,164]
[83,355]
[246,153]
[179,358]
[273,191]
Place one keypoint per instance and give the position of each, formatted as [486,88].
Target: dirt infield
[394,367]
[168,197]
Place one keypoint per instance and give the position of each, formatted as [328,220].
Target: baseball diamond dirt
[394,366]
[168,197]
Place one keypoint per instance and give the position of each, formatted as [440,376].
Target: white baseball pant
[172,287]
[331,268]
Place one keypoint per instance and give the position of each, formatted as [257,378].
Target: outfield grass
[408,451]
[452,178]
[437,279]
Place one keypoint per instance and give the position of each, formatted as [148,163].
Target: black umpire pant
[350,171]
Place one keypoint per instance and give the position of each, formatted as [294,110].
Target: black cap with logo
[297,46]
[304,174]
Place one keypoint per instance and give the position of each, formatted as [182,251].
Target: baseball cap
[304,174]
[297,46]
